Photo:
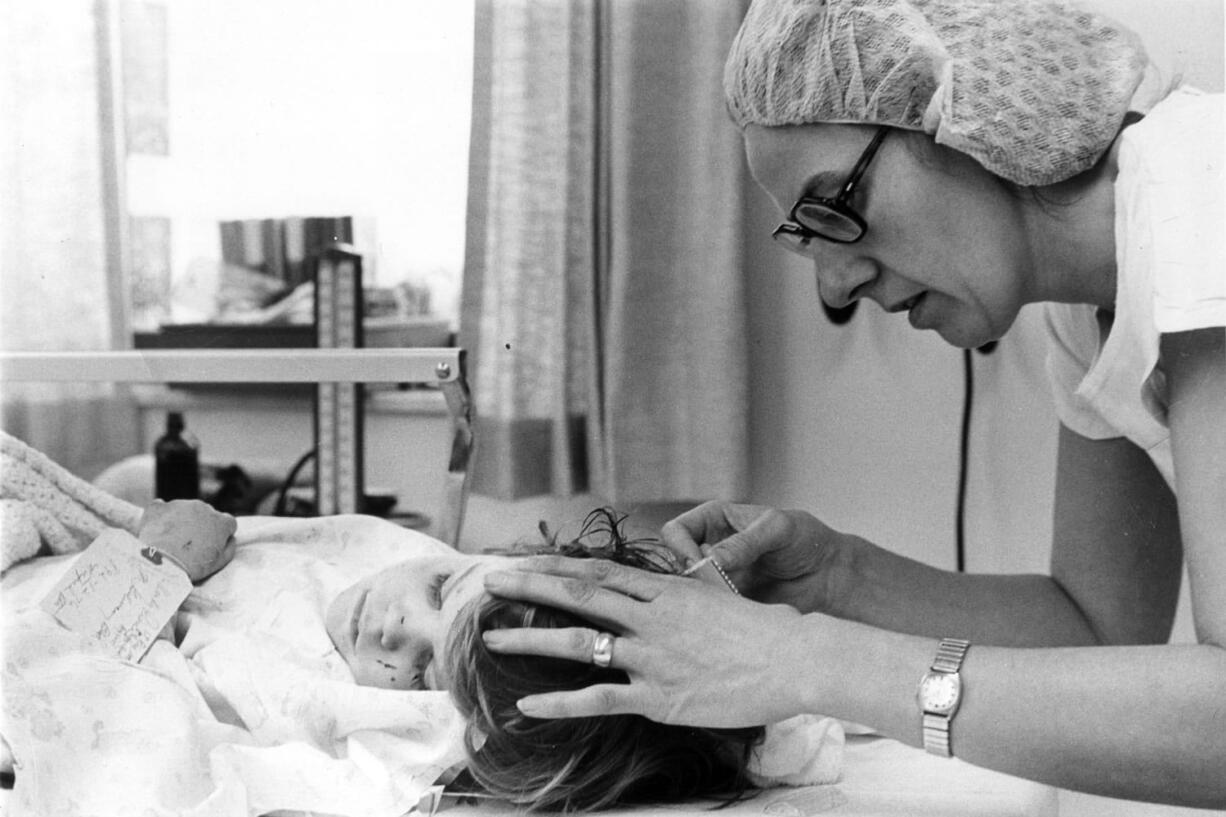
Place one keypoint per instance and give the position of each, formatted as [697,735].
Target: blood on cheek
[387,666]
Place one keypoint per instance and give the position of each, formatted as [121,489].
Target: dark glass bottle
[176,457]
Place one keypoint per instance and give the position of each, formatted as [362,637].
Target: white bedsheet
[254,713]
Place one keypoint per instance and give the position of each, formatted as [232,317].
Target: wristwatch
[940,692]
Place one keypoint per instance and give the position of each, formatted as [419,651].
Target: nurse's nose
[842,278]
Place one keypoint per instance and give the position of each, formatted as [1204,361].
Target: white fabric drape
[54,287]
[603,300]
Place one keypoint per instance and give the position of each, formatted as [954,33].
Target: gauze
[1034,90]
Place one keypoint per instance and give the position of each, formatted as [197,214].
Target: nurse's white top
[1171,277]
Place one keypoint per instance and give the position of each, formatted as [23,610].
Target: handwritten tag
[118,594]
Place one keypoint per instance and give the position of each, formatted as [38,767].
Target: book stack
[286,249]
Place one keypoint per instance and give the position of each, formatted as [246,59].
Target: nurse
[955,160]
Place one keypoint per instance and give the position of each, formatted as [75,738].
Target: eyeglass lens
[828,222]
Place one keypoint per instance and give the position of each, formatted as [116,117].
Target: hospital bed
[879,776]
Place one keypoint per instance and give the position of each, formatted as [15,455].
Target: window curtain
[55,290]
[603,304]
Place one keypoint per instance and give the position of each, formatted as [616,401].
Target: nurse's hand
[695,654]
[192,533]
[773,556]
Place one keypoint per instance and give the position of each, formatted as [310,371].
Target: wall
[860,423]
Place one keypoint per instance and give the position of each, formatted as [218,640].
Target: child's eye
[436,589]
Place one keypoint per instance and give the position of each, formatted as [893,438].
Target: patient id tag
[119,593]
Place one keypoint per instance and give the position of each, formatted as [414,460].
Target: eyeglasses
[829,219]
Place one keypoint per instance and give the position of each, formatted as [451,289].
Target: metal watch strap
[948,659]
[950,654]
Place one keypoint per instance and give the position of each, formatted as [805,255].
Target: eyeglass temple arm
[862,165]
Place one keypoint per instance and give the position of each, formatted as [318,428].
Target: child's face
[390,626]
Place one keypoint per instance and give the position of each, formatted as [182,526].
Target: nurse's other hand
[771,555]
[694,653]
[192,532]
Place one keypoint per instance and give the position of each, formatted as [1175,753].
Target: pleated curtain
[56,293]
[603,302]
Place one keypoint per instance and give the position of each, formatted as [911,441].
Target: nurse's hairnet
[1034,90]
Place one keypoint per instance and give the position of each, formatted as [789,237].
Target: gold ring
[602,649]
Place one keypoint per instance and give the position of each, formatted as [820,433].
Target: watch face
[939,692]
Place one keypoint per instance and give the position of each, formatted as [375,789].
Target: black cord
[968,392]
[279,509]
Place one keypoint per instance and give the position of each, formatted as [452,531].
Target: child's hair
[579,764]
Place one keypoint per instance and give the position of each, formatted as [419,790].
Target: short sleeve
[1185,215]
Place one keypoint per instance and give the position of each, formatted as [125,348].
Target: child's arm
[195,536]
[121,590]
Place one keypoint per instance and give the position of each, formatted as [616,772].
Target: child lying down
[251,706]
[420,624]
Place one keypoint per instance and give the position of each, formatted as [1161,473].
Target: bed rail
[444,367]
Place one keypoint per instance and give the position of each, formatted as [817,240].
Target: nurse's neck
[1074,237]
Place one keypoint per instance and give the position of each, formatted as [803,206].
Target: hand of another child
[200,538]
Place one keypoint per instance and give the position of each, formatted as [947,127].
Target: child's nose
[401,630]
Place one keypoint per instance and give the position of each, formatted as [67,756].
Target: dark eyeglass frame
[795,228]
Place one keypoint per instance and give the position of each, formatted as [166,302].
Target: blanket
[46,509]
[252,713]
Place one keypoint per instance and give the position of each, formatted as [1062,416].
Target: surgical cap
[1034,90]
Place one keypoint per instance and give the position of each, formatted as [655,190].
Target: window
[242,113]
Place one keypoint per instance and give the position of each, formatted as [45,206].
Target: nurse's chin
[963,328]
[966,337]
